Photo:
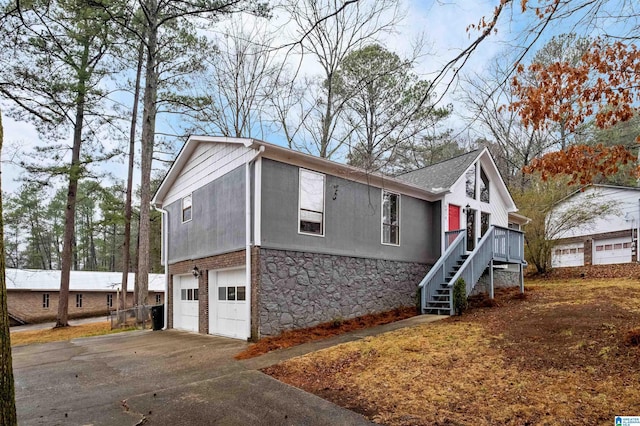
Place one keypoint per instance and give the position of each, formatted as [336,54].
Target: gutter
[248,215]
[165,253]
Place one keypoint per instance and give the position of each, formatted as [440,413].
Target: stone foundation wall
[501,279]
[299,289]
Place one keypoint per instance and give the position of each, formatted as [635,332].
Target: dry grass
[559,356]
[66,333]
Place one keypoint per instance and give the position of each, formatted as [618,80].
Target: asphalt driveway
[157,378]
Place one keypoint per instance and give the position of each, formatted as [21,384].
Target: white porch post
[521,278]
[491,292]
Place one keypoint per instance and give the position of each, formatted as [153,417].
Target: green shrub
[460,296]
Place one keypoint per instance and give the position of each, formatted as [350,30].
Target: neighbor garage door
[614,250]
[567,255]
[185,303]
[228,311]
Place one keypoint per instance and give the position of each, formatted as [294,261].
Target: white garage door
[567,255]
[228,310]
[185,303]
[614,250]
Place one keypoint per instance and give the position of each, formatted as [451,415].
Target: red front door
[454,217]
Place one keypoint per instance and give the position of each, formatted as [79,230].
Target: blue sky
[443,23]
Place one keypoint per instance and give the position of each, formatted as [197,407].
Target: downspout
[248,233]
[165,256]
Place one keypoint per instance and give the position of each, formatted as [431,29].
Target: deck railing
[497,244]
[438,273]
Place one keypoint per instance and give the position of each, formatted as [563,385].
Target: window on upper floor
[471,181]
[390,218]
[186,208]
[484,186]
[311,203]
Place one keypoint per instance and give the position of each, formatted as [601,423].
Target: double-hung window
[186,208]
[390,218]
[311,199]
[79,300]
[45,300]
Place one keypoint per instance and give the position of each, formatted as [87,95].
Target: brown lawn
[567,353]
[322,331]
[66,333]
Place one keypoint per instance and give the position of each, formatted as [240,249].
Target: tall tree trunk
[70,211]
[148,139]
[7,386]
[126,245]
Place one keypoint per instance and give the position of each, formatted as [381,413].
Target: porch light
[195,271]
[466,209]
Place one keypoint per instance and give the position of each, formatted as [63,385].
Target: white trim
[324,201]
[382,192]
[257,202]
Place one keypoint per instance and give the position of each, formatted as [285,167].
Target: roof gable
[441,176]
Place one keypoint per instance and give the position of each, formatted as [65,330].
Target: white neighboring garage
[613,250]
[610,238]
[228,310]
[185,302]
[567,255]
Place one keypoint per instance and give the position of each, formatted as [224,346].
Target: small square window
[222,293]
[608,246]
[617,246]
[158,298]
[231,293]
[580,249]
[190,294]
[186,209]
[242,293]
[573,251]
[599,248]
[195,294]
[627,245]
[183,294]
[79,300]
[45,300]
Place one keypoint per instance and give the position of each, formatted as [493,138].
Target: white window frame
[190,197]
[399,213]
[324,202]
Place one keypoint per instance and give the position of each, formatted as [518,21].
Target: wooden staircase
[441,301]
[498,245]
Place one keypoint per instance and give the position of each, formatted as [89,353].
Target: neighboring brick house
[32,295]
[609,239]
[258,239]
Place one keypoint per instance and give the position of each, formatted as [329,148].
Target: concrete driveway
[159,378]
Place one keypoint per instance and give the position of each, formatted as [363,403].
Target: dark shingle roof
[441,176]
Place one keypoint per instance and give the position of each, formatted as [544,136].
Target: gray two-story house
[259,239]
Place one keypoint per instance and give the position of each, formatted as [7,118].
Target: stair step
[438,302]
[435,311]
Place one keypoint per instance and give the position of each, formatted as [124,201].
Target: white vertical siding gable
[209,161]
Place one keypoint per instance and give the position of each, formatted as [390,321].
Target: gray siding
[218,224]
[352,219]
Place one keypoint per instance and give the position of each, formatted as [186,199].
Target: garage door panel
[185,303]
[228,309]
[612,251]
[567,255]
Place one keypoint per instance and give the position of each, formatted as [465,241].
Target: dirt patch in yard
[561,355]
[322,331]
[64,333]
